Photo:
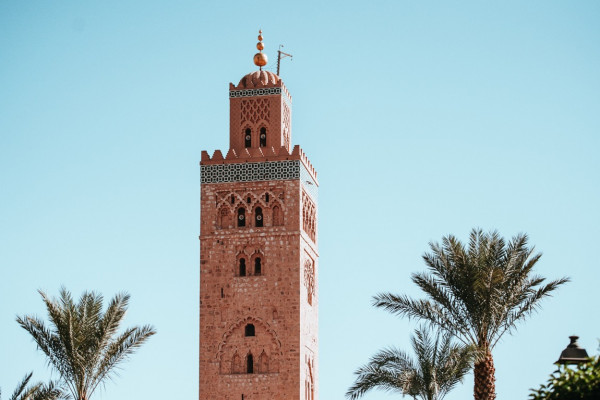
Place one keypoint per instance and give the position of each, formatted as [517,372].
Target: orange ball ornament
[260,59]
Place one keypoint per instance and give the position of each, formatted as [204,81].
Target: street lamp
[573,354]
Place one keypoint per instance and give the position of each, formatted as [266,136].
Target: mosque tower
[258,252]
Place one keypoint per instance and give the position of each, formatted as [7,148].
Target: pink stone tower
[258,253]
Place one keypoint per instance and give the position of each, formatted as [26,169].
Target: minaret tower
[258,253]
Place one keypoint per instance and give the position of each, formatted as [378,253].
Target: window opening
[248,200]
[249,330]
[242,267]
[248,138]
[232,199]
[222,293]
[263,137]
[241,216]
[258,217]
[267,197]
[250,364]
[257,266]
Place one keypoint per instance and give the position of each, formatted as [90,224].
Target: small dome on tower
[258,79]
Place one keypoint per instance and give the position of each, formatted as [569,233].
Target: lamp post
[573,354]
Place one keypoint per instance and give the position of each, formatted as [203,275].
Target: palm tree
[476,294]
[438,367]
[82,342]
[38,391]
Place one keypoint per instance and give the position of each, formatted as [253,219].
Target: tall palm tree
[82,342]
[476,293]
[37,391]
[438,367]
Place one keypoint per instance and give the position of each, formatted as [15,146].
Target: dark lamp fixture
[573,354]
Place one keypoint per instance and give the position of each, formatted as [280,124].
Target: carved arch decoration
[239,325]
[287,126]
[249,253]
[309,217]
[224,199]
[271,197]
[225,214]
[228,203]
[309,280]
[263,363]
[309,383]
[254,110]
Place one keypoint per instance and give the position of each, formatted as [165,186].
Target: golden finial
[260,59]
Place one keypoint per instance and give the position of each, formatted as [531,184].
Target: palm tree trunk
[485,379]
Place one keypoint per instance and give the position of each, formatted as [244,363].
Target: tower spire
[260,59]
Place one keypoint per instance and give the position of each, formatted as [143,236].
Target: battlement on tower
[259,154]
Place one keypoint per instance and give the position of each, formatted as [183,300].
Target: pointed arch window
[263,137]
[241,217]
[248,137]
[258,217]
[257,266]
[249,330]
[249,364]
[242,268]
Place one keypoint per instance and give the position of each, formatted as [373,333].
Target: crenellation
[217,156]
[231,154]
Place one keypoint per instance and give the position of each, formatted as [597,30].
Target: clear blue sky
[422,118]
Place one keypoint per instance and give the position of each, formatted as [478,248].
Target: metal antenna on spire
[280,55]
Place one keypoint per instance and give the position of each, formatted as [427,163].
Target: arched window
[241,216]
[250,364]
[249,330]
[257,266]
[248,138]
[242,267]
[263,137]
[258,217]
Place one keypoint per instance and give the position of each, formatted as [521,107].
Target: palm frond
[21,387]
[82,342]
[438,366]
[36,391]
[477,292]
